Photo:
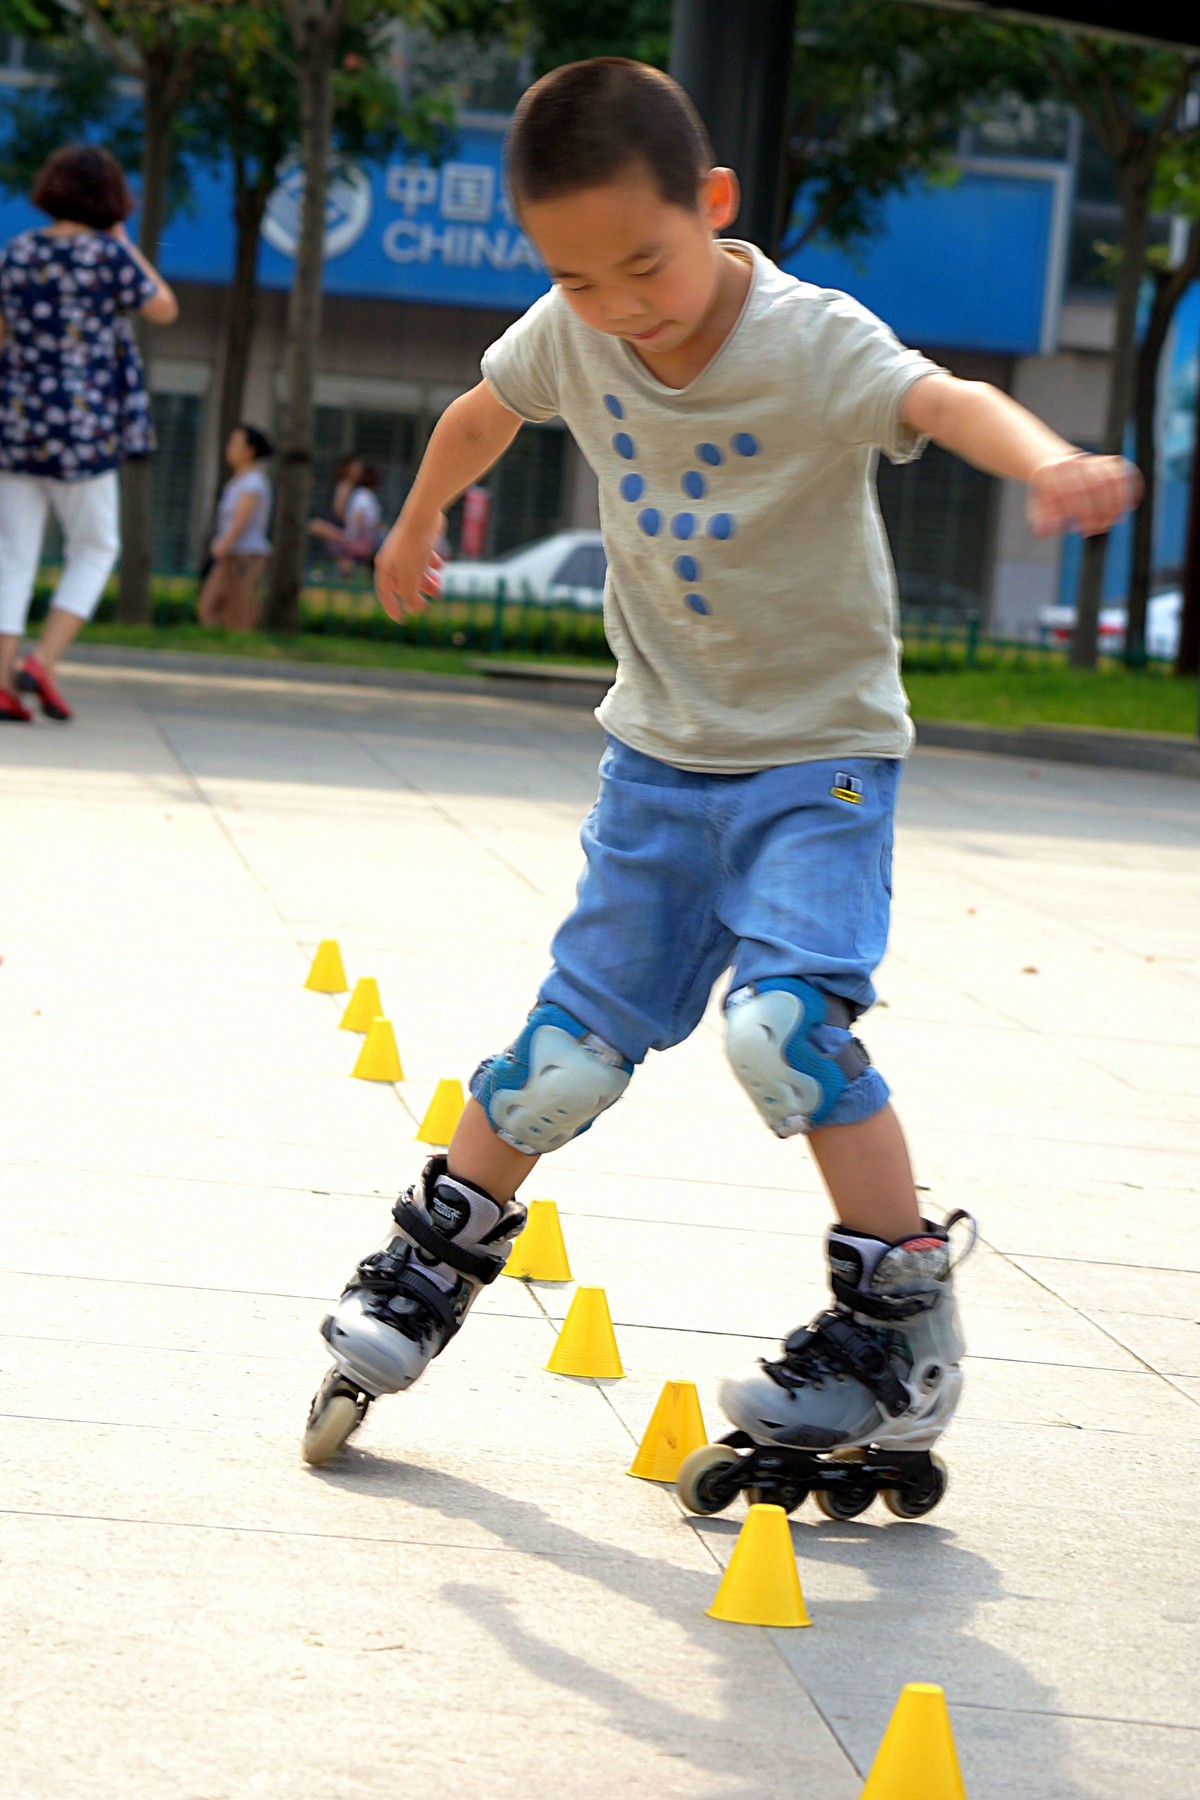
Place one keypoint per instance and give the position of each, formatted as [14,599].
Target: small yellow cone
[587,1344]
[761,1586]
[445,1110]
[379,1059]
[917,1759]
[363,1006]
[675,1430]
[327,976]
[539,1254]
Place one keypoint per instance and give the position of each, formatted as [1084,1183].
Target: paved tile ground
[475,1599]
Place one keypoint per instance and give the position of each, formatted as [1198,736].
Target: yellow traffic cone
[379,1059]
[327,976]
[363,1006]
[539,1254]
[445,1110]
[675,1430]
[587,1344]
[917,1759]
[761,1585]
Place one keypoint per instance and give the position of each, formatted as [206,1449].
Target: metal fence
[515,624]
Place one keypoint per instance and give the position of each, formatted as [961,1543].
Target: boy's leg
[866,1168]
[618,986]
[811,907]
[479,1156]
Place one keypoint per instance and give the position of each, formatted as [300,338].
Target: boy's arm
[1068,490]
[471,434]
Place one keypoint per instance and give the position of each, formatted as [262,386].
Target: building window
[387,441]
[177,427]
[938,514]
[1096,221]
[527,489]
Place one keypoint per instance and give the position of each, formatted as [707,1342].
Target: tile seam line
[328,1537]
[1171,1381]
[216,814]
[446,813]
[701,1538]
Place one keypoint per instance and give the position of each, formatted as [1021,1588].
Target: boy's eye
[575,287]
[641,274]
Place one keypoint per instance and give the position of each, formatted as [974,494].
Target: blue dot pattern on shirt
[720,526]
[73,402]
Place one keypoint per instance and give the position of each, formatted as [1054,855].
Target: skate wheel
[706,1482]
[844,1502]
[338,1409]
[918,1497]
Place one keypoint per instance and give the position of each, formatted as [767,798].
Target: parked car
[1163,616]
[567,567]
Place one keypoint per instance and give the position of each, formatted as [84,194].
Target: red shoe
[11,710]
[33,679]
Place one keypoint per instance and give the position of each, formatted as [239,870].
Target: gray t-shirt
[750,598]
[253,541]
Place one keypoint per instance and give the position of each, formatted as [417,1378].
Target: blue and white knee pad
[794,1079]
[551,1084]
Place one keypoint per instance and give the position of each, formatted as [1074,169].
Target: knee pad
[551,1084]
[793,1082]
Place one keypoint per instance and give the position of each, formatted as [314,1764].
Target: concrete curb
[578,684]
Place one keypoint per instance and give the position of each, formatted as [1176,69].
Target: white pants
[89,514]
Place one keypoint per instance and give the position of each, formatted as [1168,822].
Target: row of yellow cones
[761,1585]
[379,1058]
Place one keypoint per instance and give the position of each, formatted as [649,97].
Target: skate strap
[415,1286]
[883,1305]
[416,1225]
[845,1346]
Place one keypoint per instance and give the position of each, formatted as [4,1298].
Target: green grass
[303,647]
[1024,692]
[1114,699]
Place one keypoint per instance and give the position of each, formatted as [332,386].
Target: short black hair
[257,440]
[85,184]
[369,477]
[591,122]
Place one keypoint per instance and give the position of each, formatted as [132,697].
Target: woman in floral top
[73,404]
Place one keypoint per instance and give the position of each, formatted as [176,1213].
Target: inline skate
[857,1400]
[406,1301]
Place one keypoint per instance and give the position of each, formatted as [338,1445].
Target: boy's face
[631,265]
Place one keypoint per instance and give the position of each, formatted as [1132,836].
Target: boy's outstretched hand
[1081,493]
[408,566]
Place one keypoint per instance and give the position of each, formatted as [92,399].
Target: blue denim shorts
[782,872]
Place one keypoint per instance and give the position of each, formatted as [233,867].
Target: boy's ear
[720,197]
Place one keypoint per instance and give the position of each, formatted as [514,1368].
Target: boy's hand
[1081,493]
[407,566]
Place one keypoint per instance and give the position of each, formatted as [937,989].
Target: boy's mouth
[643,337]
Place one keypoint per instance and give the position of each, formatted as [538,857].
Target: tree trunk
[316,51]
[1134,183]
[160,98]
[1145,409]
[250,204]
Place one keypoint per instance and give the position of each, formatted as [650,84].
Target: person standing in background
[73,405]
[241,547]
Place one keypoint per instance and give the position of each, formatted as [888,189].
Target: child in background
[241,547]
[756,730]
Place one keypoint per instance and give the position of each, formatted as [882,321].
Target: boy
[756,731]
